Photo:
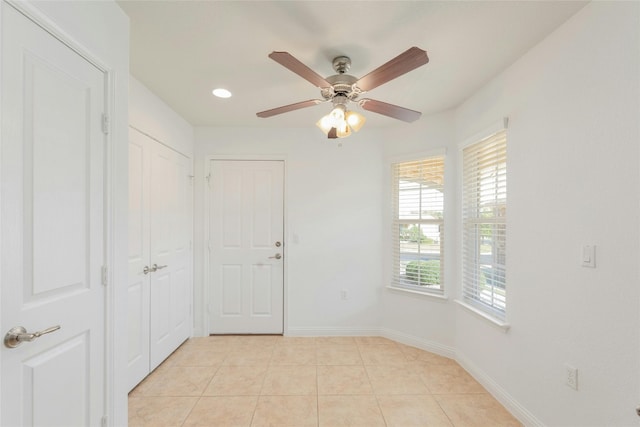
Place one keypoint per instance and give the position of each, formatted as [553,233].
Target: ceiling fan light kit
[341,89]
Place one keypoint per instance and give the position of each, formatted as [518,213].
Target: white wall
[101,30]
[332,205]
[573,140]
[426,322]
[150,115]
[573,103]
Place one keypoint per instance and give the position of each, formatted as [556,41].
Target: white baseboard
[198,332]
[418,342]
[501,395]
[331,332]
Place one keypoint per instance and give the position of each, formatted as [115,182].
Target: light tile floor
[222,381]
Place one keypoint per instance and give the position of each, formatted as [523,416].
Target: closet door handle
[147,270]
[159,267]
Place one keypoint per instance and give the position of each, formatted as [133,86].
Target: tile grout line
[262,386]
[375,395]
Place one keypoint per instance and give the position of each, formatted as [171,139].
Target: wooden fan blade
[288,61]
[287,108]
[401,64]
[390,110]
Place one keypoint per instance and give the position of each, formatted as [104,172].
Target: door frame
[206,189]
[111,181]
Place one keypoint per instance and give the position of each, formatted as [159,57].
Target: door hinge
[105,124]
[104,422]
[105,275]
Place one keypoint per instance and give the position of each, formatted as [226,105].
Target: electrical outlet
[571,375]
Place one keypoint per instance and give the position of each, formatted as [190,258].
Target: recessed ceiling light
[222,93]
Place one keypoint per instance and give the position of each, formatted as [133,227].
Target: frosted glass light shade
[355,120]
[343,121]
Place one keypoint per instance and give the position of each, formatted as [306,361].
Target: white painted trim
[495,127]
[204,330]
[422,294]
[331,332]
[32,12]
[484,316]
[421,343]
[500,394]
[140,131]
[2,327]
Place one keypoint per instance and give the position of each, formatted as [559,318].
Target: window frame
[490,311]
[396,281]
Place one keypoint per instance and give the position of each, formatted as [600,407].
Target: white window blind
[418,225]
[484,202]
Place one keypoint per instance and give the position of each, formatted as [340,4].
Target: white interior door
[169,251]
[138,286]
[245,242]
[160,199]
[53,229]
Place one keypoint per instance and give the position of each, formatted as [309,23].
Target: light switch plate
[589,256]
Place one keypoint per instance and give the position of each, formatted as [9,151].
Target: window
[418,225]
[484,204]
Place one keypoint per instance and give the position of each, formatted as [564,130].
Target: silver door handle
[157,267]
[277,256]
[18,335]
[147,270]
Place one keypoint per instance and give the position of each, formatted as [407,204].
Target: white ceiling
[181,50]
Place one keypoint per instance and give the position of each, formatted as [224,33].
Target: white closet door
[53,228]
[160,199]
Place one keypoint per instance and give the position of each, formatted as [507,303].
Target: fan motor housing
[341,84]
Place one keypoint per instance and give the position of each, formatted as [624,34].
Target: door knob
[277,256]
[278,244]
[147,270]
[158,267]
[18,335]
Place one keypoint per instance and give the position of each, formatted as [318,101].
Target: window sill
[424,294]
[495,322]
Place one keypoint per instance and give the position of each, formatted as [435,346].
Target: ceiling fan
[341,89]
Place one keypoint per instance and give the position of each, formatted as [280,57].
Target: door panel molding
[255,245]
[53,291]
[202,314]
